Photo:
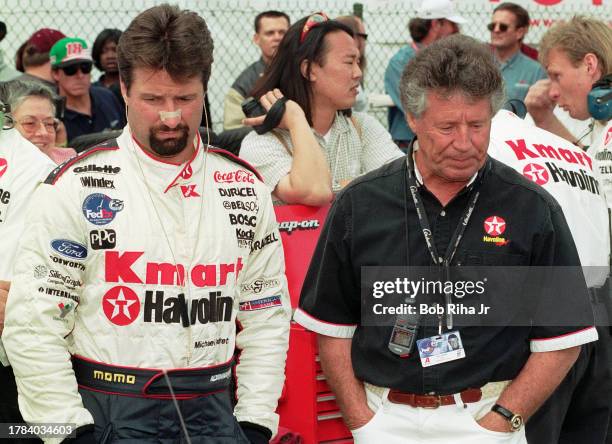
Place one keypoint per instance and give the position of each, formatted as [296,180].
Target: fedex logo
[120,267]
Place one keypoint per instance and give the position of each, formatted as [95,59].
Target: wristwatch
[516,421]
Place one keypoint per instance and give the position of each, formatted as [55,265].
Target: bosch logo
[241,219]
[536,173]
[234,176]
[70,249]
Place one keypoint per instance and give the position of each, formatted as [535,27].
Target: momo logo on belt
[234,176]
[99,209]
[120,378]
[119,267]
[70,249]
[106,169]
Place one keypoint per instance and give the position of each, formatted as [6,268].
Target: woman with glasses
[33,110]
[318,145]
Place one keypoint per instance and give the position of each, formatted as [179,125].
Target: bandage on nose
[164,115]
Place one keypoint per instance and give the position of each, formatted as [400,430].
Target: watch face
[516,422]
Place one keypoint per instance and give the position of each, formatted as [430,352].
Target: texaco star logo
[121,305]
[536,173]
[3,166]
[495,226]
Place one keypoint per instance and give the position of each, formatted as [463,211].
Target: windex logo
[521,151]
[289,226]
[97,182]
[234,176]
[118,268]
[106,169]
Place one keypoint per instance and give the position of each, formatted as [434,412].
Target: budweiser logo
[234,176]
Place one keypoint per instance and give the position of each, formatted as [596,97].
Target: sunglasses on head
[313,21]
[362,35]
[502,26]
[71,70]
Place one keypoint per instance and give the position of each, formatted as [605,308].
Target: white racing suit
[135,263]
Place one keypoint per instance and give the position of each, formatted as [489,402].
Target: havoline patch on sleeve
[260,304]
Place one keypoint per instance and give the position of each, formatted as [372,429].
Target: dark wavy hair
[106,35]
[284,71]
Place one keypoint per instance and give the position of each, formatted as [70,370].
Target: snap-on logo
[289,226]
[234,176]
[70,249]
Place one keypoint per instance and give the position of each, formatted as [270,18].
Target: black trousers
[579,411]
[123,419]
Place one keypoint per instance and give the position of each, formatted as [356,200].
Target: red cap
[45,38]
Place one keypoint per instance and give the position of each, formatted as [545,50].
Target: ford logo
[69,248]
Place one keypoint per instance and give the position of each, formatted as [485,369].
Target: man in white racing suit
[141,259]
[22,168]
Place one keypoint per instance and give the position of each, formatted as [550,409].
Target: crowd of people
[143,275]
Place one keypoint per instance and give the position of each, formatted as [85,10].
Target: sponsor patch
[289,226]
[40,271]
[261,304]
[234,176]
[536,173]
[92,168]
[121,305]
[241,205]
[237,192]
[69,248]
[99,209]
[243,219]
[260,284]
[102,239]
[189,191]
[259,244]
[67,263]
[495,226]
[64,309]
[97,182]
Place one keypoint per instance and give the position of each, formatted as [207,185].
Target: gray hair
[453,64]
[17,91]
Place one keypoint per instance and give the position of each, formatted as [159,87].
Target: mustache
[162,127]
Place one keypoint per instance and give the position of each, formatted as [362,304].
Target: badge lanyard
[453,245]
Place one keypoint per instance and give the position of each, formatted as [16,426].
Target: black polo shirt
[373,222]
[106,114]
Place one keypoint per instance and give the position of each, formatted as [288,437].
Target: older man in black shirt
[446,204]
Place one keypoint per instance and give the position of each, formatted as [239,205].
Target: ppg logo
[102,239]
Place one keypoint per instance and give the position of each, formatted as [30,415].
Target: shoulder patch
[233,158]
[109,145]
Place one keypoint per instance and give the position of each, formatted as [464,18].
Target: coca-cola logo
[234,176]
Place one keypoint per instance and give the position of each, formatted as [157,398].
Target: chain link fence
[231,24]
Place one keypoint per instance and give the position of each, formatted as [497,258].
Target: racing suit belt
[186,383]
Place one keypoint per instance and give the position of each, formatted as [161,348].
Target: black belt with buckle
[151,383]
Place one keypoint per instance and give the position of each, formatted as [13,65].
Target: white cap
[439,9]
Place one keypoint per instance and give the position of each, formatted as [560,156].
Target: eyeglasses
[502,26]
[362,35]
[31,124]
[72,69]
[312,22]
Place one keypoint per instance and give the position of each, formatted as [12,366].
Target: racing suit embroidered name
[172,310]
[118,268]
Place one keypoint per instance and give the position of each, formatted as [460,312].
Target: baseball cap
[44,38]
[68,51]
[439,9]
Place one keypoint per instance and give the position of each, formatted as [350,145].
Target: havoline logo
[175,309]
